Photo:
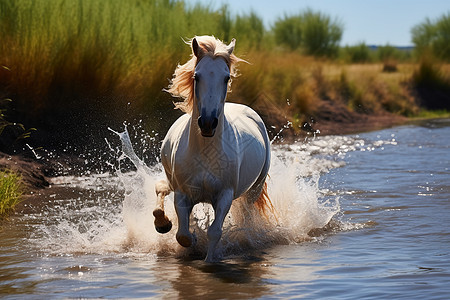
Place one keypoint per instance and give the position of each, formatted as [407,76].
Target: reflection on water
[193,279]
[387,192]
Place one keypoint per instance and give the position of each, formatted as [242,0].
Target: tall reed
[76,64]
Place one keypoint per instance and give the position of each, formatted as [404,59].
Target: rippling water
[381,199]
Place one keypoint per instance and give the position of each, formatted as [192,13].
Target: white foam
[299,206]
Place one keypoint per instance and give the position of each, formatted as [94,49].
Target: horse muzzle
[208,125]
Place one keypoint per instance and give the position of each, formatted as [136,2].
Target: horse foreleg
[221,208]
[183,208]
[162,223]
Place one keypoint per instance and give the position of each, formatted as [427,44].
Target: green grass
[432,114]
[10,191]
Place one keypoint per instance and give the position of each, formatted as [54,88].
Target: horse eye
[196,77]
[227,78]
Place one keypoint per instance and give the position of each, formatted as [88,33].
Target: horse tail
[264,204]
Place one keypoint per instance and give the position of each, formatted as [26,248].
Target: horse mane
[182,83]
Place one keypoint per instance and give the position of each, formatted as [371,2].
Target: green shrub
[288,31]
[321,35]
[359,53]
[388,53]
[249,31]
[433,36]
[432,85]
[314,32]
[430,75]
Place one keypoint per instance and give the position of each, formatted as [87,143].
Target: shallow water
[385,196]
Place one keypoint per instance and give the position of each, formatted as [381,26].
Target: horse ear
[230,47]
[196,48]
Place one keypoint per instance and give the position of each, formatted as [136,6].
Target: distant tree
[249,31]
[359,53]
[314,32]
[288,31]
[387,52]
[433,36]
[321,35]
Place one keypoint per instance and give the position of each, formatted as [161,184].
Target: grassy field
[74,67]
[305,82]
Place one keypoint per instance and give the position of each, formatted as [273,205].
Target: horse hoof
[164,229]
[184,240]
[162,223]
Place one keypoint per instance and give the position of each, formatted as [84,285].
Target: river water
[381,199]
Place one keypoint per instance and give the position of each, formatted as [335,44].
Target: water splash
[278,135]
[120,220]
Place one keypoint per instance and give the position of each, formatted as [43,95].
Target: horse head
[211,81]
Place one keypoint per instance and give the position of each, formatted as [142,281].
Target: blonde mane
[182,84]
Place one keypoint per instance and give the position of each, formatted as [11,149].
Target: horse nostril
[215,122]
[207,124]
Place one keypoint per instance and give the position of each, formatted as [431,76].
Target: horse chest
[204,175]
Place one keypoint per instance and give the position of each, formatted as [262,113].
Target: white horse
[217,151]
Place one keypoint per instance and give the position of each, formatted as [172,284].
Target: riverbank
[329,118]
[31,170]
[37,173]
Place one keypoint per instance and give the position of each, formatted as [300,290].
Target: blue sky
[375,22]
